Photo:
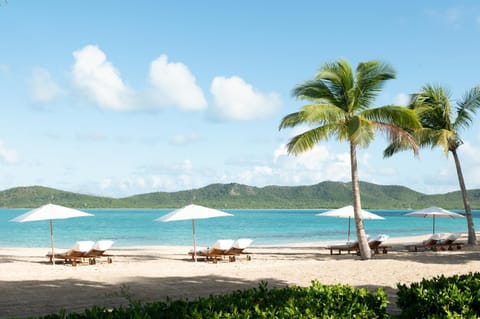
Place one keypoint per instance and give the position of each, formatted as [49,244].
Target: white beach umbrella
[348,212]
[434,212]
[49,212]
[192,212]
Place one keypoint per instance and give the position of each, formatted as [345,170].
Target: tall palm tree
[440,128]
[341,108]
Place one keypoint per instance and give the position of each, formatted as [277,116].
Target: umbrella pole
[348,228]
[51,239]
[433,224]
[194,242]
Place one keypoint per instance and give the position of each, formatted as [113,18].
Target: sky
[116,98]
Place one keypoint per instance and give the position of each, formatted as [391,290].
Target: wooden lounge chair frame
[376,245]
[238,249]
[210,254]
[215,252]
[94,254]
[449,243]
[98,251]
[352,247]
[428,244]
[74,255]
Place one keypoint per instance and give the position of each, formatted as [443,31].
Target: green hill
[323,195]
[34,196]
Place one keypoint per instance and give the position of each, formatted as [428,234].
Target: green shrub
[315,301]
[441,297]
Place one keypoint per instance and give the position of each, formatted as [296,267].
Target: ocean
[136,227]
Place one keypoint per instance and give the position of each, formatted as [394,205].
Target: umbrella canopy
[434,212]
[348,212]
[192,212]
[49,212]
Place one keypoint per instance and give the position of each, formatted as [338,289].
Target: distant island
[237,196]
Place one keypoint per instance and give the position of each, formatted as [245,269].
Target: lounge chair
[350,247]
[74,254]
[214,252]
[376,244]
[427,244]
[98,250]
[449,243]
[238,248]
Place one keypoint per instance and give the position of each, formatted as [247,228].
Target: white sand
[31,287]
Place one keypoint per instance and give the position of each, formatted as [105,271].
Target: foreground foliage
[441,297]
[316,301]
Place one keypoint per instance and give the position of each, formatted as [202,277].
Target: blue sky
[118,98]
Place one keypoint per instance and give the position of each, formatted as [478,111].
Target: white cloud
[44,89]
[402,99]
[105,184]
[174,85]
[8,155]
[171,84]
[100,81]
[318,164]
[279,152]
[237,100]
[169,177]
[256,174]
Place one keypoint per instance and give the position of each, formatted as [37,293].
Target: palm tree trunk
[472,237]
[365,252]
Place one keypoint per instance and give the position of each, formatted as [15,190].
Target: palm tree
[441,129]
[342,108]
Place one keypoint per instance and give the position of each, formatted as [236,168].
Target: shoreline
[32,287]
[316,243]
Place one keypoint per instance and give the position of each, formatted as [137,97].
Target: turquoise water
[136,227]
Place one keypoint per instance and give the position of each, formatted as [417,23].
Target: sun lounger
[238,248]
[74,254]
[449,243]
[427,244]
[350,247]
[99,250]
[377,244]
[214,252]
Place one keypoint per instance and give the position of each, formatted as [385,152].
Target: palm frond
[312,90]
[399,138]
[319,91]
[338,77]
[370,79]
[434,109]
[392,149]
[291,120]
[391,114]
[339,72]
[360,131]
[466,108]
[307,140]
[322,113]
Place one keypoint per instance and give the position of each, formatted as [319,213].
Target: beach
[32,287]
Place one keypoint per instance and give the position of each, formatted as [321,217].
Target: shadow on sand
[42,297]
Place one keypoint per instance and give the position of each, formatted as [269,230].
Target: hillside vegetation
[322,195]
